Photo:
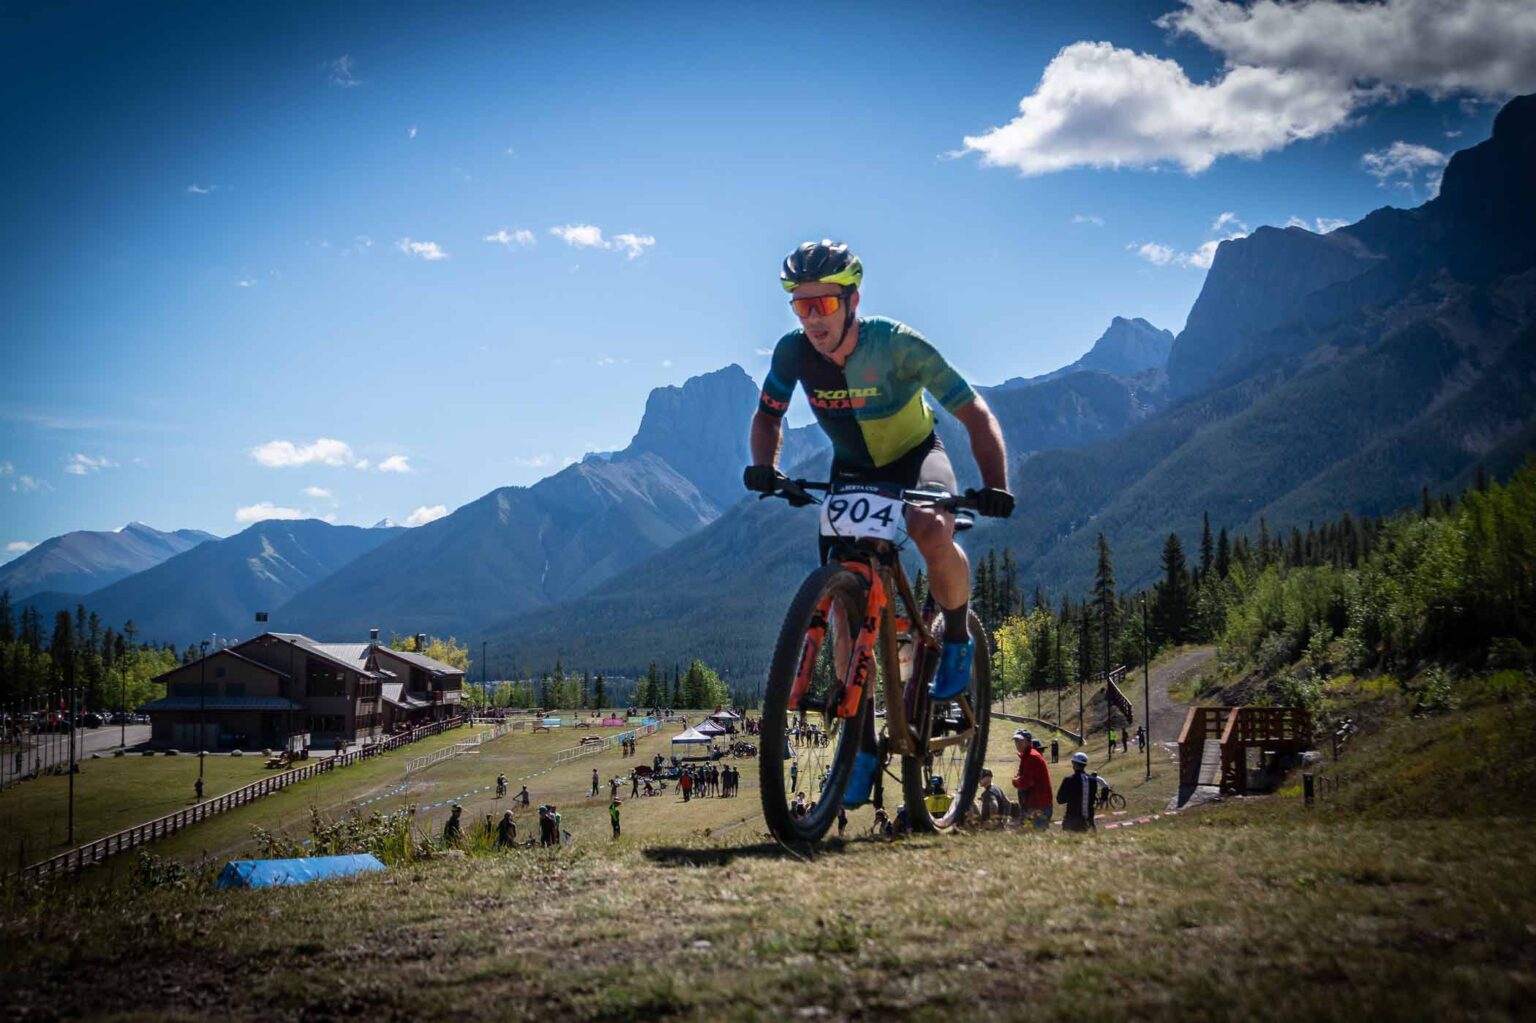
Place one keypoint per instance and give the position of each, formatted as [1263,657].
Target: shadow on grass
[693,856]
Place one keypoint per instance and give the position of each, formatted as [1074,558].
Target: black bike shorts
[925,467]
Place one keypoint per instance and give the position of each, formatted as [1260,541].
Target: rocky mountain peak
[700,429]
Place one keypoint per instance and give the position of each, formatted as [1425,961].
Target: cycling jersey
[872,408]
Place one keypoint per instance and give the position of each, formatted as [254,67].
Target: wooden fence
[94,852]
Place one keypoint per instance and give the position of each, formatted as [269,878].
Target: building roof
[324,651]
[180,703]
[356,652]
[394,692]
[226,651]
[422,661]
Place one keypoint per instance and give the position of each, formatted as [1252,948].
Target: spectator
[634,785]
[842,821]
[882,825]
[523,797]
[1125,740]
[1079,793]
[453,831]
[1055,750]
[501,785]
[685,782]
[794,774]
[1033,783]
[613,815]
[1141,738]
[595,781]
[506,832]
[613,788]
[994,802]
[797,806]
[197,787]
[1111,738]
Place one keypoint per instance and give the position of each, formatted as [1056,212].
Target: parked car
[91,719]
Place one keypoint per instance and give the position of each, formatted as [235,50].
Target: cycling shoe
[954,674]
[861,780]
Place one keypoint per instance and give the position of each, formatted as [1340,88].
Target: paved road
[54,748]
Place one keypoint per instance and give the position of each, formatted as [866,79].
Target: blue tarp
[270,873]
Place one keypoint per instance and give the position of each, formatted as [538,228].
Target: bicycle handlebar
[790,489]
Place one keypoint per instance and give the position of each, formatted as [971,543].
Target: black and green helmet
[823,262]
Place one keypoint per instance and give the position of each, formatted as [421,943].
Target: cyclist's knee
[930,530]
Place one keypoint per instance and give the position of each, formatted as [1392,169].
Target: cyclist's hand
[762,479]
[993,502]
[798,500]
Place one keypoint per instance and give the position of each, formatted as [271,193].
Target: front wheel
[806,754]
[953,736]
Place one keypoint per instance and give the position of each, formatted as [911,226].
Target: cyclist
[864,378]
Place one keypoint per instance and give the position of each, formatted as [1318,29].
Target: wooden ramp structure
[1214,744]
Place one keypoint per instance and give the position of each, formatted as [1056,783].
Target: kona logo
[777,406]
[852,392]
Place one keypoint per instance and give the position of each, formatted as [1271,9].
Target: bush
[1433,692]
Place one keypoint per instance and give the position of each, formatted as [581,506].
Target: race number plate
[862,511]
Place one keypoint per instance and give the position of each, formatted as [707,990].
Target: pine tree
[544,693]
[1104,597]
[586,690]
[599,692]
[1174,600]
[7,622]
[1008,588]
[1206,549]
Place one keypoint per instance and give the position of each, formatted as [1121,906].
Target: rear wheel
[810,750]
[955,734]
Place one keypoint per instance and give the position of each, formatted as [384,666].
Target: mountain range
[1315,374]
[87,560]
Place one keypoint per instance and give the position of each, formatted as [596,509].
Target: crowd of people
[703,780]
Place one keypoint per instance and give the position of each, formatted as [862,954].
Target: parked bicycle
[855,655]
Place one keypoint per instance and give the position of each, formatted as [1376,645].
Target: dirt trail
[1167,713]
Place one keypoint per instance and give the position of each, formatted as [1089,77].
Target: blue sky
[258,256]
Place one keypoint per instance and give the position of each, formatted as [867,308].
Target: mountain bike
[855,657]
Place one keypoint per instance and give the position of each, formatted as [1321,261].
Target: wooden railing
[94,852]
[1279,729]
[1200,724]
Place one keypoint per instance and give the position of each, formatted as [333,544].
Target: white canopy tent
[725,715]
[710,728]
[690,737]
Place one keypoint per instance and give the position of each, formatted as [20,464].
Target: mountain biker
[864,378]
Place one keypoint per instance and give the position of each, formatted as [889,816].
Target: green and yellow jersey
[873,408]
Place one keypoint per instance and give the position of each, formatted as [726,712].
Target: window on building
[325,678]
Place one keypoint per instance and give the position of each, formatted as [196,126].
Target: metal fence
[129,838]
[588,749]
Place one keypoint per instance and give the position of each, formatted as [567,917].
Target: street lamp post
[1146,688]
[202,712]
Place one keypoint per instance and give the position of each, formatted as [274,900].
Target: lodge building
[286,690]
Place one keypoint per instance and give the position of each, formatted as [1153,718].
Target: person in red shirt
[1037,800]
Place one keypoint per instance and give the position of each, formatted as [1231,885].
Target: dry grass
[1254,909]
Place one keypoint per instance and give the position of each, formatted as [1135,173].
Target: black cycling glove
[993,502]
[762,479]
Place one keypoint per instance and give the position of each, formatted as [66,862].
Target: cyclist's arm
[986,442]
[766,438]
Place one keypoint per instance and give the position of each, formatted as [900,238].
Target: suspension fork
[862,666]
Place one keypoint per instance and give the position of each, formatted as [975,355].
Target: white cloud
[535,462]
[1291,71]
[1406,165]
[361,463]
[81,465]
[339,72]
[395,463]
[605,360]
[19,546]
[1479,46]
[522,236]
[633,245]
[426,250]
[589,236]
[196,189]
[316,492]
[666,363]
[1322,225]
[28,485]
[1228,218]
[421,516]
[411,132]
[245,282]
[1152,252]
[362,243]
[1098,105]
[579,236]
[282,454]
[264,510]
[6,468]
[1087,218]
[765,352]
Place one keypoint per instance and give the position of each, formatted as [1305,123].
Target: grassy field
[1390,899]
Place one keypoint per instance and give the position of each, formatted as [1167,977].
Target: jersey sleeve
[918,360]
[783,374]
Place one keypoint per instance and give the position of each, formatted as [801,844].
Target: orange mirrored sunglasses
[823,305]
